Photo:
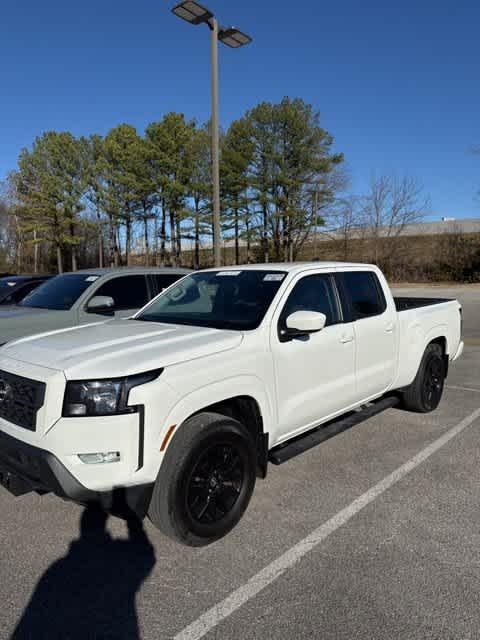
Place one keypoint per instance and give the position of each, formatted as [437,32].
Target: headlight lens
[90,398]
[102,397]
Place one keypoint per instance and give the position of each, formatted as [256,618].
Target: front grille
[20,399]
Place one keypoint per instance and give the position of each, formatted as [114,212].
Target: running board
[302,443]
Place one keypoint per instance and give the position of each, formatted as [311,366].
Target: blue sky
[397,84]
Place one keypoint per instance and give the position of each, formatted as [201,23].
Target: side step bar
[284,452]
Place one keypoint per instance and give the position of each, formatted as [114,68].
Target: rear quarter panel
[419,327]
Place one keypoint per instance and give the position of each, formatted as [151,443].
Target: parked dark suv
[14,288]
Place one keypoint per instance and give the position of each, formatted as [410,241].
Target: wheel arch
[443,344]
[438,336]
[249,406]
[413,347]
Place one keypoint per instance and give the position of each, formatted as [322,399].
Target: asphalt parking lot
[401,562]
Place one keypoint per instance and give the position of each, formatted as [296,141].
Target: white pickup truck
[176,411]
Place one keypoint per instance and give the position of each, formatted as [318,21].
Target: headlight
[102,397]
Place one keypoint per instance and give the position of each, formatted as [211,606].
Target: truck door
[375,325]
[314,375]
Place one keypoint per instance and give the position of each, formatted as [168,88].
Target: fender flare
[439,331]
[215,392]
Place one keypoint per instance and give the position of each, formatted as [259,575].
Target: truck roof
[125,270]
[291,267]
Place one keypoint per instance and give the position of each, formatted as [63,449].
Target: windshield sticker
[91,278]
[274,277]
[229,273]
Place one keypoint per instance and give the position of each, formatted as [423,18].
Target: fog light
[99,458]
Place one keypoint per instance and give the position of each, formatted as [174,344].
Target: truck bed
[402,303]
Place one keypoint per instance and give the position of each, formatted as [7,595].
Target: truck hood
[120,347]
[16,322]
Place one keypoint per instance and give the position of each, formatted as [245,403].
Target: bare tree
[391,205]
[344,222]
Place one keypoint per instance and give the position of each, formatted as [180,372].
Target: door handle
[346,338]
[390,327]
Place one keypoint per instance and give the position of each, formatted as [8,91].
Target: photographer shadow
[90,592]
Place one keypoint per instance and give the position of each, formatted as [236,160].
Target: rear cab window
[362,293]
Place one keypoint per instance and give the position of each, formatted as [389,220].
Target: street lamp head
[233,37]
[192,12]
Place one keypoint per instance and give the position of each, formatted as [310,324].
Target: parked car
[176,412]
[84,297]
[14,288]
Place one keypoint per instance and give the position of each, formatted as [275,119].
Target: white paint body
[296,384]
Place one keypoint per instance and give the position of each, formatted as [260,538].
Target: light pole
[195,13]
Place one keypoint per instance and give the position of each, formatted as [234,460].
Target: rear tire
[425,392]
[205,481]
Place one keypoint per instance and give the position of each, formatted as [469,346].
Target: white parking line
[450,386]
[211,618]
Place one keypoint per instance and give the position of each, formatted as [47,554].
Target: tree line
[128,192]
[114,199]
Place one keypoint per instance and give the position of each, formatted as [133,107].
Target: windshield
[218,299]
[59,293]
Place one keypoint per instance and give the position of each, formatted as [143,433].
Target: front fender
[220,391]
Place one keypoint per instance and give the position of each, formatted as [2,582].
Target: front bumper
[25,468]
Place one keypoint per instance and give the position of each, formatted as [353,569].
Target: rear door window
[364,293]
[128,292]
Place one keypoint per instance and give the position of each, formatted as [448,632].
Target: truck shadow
[90,592]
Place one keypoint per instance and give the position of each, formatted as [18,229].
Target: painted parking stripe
[211,618]
[450,386]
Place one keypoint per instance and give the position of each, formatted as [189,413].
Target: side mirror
[101,304]
[301,323]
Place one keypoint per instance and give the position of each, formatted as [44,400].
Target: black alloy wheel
[215,484]
[425,392]
[433,382]
[205,481]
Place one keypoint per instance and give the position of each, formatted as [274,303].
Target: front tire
[425,392]
[205,481]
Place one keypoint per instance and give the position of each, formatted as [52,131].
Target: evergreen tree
[50,183]
[237,156]
[171,149]
[292,153]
